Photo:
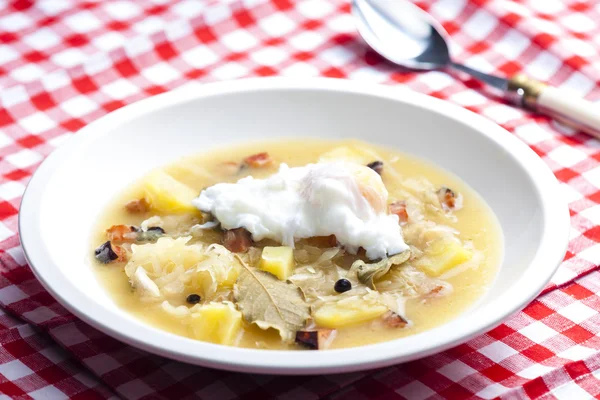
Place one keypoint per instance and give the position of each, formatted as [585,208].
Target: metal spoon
[407,36]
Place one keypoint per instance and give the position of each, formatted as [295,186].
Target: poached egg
[344,199]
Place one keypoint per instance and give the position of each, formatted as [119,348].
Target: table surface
[65,63]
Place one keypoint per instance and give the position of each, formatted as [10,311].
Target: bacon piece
[361,253]
[322,241]
[436,291]
[399,208]
[449,199]
[393,320]
[120,252]
[237,240]
[314,340]
[231,167]
[122,233]
[138,206]
[258,160]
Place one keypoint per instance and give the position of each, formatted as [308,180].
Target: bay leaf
[368,273]
[270,303]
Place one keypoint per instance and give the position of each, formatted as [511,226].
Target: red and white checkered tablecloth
[65,63]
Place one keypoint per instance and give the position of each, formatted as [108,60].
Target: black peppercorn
[342,285]
[193,299]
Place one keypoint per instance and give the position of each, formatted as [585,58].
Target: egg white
[335,198]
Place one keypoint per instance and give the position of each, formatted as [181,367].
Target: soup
[304,244]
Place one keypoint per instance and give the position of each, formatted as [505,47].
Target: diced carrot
[399,208]
[258,160]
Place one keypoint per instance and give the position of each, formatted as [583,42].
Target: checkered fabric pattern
[65,63]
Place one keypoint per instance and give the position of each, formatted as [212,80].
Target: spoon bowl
[402,33]
[407,36]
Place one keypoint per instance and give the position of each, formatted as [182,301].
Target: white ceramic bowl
[70,188]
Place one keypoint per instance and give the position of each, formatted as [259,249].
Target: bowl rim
[553,244]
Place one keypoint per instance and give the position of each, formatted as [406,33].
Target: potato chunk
[346,313]
[278,260]
[443,255]
[167,195]
[217,323]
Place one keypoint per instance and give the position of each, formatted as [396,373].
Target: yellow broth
[475,222]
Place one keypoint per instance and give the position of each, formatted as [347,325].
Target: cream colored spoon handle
[561,104]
